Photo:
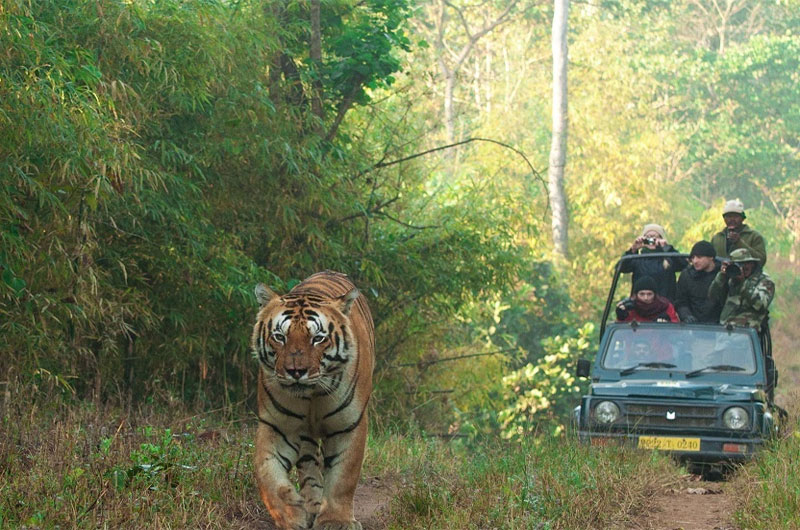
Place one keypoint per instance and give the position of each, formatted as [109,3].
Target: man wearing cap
[691,300]
[737,234]
[744,289]
[662,269]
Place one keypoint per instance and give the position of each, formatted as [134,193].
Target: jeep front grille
[653,415]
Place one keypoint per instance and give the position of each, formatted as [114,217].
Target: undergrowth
[768,490]
[78,464]
[84,465]
[546,483]
[87,465]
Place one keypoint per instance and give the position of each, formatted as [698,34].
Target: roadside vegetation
[532,483]
[768,489]
[84,465]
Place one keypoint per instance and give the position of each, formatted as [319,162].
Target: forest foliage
[159,159]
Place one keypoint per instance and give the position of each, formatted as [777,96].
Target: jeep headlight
[606,412]
[736,418]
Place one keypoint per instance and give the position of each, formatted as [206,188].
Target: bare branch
[424,364]
[535,173]
[365,213]
[473,38]
[398,221]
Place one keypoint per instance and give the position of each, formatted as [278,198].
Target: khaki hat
[741,255]
[654,228]
[733,206]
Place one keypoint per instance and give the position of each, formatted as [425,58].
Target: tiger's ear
[345,302]
[264,294]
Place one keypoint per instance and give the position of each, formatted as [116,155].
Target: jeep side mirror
[584,366]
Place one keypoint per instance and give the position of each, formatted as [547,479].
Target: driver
[647,347]
[638,352]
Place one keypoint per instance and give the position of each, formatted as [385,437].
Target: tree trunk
[316,58]
[558,147]
[449,114]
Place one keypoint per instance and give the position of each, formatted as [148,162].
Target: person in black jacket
[662,270]
[691,300]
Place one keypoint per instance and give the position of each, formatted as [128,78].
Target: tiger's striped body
[315,347]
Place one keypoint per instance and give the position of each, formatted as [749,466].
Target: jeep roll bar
[612,291]
[765,336]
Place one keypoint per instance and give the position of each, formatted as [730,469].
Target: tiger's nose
[296,373]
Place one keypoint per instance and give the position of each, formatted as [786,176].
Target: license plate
[668,443]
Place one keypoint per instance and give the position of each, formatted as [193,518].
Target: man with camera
[738,235]
[744,290]
[691,301]
[661,269]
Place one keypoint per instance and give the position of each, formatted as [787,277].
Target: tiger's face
[302,341]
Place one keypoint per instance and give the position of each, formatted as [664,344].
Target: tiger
[315,347]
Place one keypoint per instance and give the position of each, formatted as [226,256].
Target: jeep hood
[660,388]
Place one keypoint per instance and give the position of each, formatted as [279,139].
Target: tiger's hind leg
[310,475]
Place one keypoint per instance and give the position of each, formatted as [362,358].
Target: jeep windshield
[677,348]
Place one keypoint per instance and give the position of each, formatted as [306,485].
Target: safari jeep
[699,391]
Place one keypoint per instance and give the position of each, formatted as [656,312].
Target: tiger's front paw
[291,515]
[295,520]
[338,525]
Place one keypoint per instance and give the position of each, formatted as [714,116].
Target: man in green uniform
[744,289]
[746,292]
[738,235]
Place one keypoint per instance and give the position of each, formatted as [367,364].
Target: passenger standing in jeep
[744,289]
[737,235]
[661,269]
[692,301]
[646,305]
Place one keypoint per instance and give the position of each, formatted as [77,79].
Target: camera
[733,270]
[624,308]
[628,304]
[649,241]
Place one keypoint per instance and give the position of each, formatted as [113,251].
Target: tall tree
[333,53]
[717,24]
[453,48]
[558,146]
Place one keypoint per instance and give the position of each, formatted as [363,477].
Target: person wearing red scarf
[645,305]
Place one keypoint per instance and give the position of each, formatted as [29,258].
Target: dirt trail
[370,505]
[691,504]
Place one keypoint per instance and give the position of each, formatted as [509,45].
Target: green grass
[84,465]
[540,483]
[768,489]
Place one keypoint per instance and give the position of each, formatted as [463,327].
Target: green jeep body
[695,390]
[699,391]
